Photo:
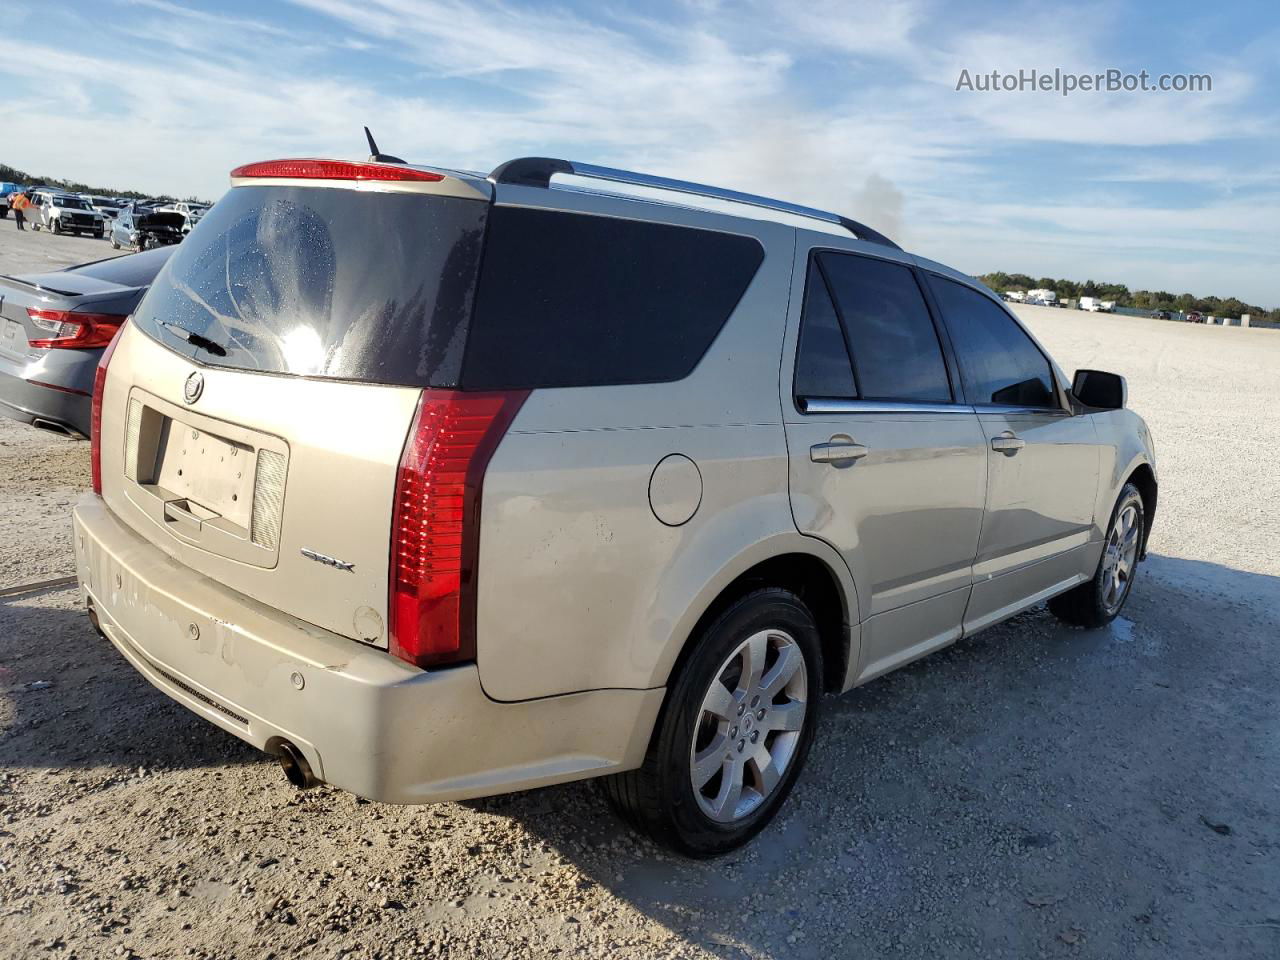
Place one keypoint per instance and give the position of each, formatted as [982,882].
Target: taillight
[68,329]
[435,526]
[95,412]
[333,170]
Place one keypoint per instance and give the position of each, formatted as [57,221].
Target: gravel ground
[1031,792]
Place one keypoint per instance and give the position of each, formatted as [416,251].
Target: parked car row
[127,223]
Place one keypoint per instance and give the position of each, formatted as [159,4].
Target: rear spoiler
[27,285]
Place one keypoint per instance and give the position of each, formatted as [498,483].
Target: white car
[191,211]
[64,213]
[109,207]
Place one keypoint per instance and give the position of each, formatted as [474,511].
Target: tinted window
[568,300]
[822,359]
[896,354]
[998,361]
[352,284]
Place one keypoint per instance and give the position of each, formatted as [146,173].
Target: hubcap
[1120,557]
[749,725]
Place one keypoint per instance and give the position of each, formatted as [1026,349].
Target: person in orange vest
[19,202]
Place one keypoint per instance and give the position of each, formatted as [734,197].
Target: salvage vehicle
[437,485]
[60,212]
[191,212]
[53,329]
[141,227]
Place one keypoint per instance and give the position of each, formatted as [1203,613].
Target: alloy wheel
[1120,557]
[748,727]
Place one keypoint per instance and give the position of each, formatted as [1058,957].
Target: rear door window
[896,352]
[999,363]
[570,300]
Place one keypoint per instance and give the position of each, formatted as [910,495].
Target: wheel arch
[1144,478]
[798,564]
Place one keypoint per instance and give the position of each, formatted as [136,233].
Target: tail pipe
[294,764]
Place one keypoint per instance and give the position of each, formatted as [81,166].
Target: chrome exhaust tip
[294,764]
[50,426]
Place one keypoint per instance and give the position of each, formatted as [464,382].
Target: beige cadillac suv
[438,485]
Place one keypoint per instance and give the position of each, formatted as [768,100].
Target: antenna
[374,155]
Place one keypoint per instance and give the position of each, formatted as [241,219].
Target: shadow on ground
[1033,788]
[73,701]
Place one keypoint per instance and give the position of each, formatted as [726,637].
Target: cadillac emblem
[194,386]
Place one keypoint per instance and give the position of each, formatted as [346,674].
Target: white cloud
[842,105]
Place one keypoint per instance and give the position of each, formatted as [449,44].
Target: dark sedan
[54,327]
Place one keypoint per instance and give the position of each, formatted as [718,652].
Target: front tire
[55,227]
[735,730]
[1099,601]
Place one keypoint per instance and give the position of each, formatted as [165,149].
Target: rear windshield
[323,282]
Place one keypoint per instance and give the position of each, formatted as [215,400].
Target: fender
[1125,444]
[687,592]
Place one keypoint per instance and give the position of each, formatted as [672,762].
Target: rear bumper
[28,402]
[365,721]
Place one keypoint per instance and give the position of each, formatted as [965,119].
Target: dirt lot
[1031,792]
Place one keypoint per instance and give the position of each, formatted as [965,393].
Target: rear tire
[740,717]
[1100,600]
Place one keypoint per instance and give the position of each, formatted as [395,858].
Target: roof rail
[538,171]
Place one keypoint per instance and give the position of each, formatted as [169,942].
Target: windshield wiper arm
[196,339]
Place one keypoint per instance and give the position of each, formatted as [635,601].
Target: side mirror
[1099,389]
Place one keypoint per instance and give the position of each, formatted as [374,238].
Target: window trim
[877,404]
[1061,406]
[828,406]
[811,267]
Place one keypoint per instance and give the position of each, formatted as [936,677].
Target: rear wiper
[196,339]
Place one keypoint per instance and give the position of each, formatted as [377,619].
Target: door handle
[1007,443]
[837,451]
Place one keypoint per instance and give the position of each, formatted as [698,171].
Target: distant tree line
[1124,297]
[12,175]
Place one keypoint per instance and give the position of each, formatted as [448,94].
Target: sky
[847,106]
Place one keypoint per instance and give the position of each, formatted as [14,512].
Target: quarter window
[998,362]
[895,348]
[822,360]
[567,300]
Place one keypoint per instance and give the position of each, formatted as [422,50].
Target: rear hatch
[258,404]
